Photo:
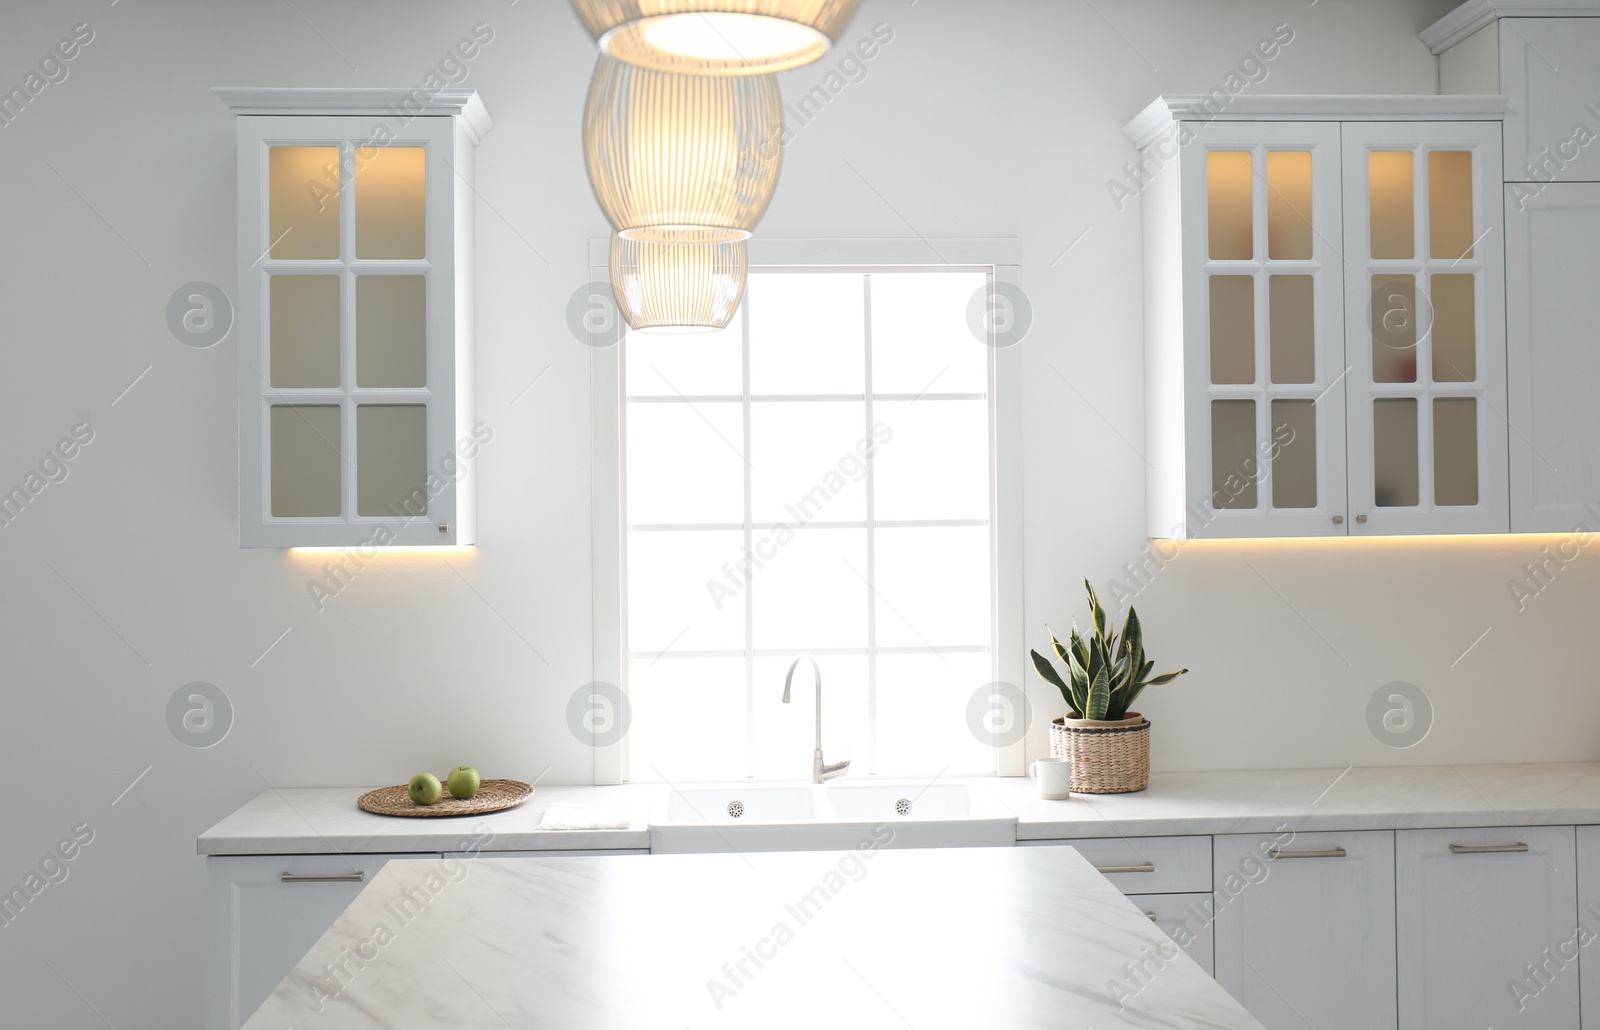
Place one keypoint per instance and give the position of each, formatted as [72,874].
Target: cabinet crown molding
[1474,15]
[1170,108]
[394,102]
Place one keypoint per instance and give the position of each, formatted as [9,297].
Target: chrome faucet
[820,771]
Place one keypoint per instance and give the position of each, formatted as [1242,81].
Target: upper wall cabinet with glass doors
[355,316]
[1324,326]
[1546,60]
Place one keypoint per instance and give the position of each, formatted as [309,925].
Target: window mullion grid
[749,543]
[872,535]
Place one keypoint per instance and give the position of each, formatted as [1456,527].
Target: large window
[817,478]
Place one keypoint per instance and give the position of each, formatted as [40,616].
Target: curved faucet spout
[820,770]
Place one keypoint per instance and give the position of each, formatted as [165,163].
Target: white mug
[1054,776]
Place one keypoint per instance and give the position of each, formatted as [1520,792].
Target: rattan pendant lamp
[716,37]
[671,154]
[691,285]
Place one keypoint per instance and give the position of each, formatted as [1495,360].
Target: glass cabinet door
[1425,338]
[1264,326]
[348,406]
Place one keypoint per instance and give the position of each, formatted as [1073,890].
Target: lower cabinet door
[1186,918]
[1589,922]
[1305,927]
[1487,928]
[263,913]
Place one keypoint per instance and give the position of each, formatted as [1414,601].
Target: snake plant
[1105,675]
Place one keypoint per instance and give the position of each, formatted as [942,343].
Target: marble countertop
[325,819]
[1385,798]
[936,938]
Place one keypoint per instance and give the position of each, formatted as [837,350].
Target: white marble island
[959,938]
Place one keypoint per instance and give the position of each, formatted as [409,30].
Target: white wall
[997,119]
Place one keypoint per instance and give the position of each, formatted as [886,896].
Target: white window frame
[999,258]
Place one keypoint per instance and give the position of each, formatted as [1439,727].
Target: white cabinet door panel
[1425,328]
[1553,347]
[1588,918]
[1550,74]
[259,924]
[1306,939]
[1476,908]
[1186,918]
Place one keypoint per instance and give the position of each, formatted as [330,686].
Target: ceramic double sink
[835,817]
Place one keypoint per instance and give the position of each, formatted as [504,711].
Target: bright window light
[815,477]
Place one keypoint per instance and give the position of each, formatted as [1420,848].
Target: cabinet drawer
[1147,865]
[1186,918]
[264,912]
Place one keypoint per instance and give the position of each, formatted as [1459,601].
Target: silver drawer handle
[1150,916]
[1489,849]
[1329,853]
[355,877]
[1124,868]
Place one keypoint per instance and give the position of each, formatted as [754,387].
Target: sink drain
[903,806]
[735,809]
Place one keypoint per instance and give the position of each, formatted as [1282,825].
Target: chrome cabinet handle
[1338,520]
[1150,916]
[1489,849]
[1361,518]
[1124,868]
[1328,853]
[355,877]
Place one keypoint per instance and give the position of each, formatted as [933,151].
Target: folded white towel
[583,817]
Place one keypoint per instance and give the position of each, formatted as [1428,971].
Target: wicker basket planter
[1106,757]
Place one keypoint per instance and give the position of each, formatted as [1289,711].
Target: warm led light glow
[1515,542]
[687,286]
[385,549]
[669,154]
[716,37]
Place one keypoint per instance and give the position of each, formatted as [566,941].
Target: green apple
[463,782]
[425,789]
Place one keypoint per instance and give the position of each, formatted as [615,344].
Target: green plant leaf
[1079,699]
[1166,677]
[1080,647]
[1097,612]
[1133,639]
[1060,649]
[1099,695]
[1047,671]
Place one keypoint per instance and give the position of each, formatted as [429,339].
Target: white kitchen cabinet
[263,913]
[1145,865]
[1169,878]
[354,320]
[1548,68]
[1324,320]
[1304,935]
[1187,919]
[1588,843]
[1476,910]
[1553,328]
[1425,320]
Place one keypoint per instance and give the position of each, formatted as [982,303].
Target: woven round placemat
[492,796]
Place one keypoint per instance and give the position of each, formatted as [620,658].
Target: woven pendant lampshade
[690,285]
[716,37]
[670,153]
